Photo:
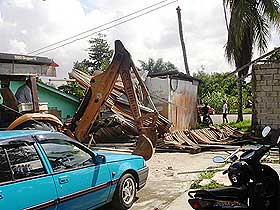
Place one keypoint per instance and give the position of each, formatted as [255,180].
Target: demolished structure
[104,89]
[117,125]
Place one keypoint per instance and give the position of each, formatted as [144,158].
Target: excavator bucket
[144,147]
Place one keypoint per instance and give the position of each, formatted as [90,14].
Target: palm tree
[249,28]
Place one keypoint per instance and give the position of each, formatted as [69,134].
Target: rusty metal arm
[96,95]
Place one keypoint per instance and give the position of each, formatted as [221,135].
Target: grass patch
[212,185]
[201,125]
[196,185]
[244,111]
[241,126]
[247,111]
[267,160]
[206,175]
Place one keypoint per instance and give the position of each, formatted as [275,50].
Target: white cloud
[26,4]
[26,25]
[18,46]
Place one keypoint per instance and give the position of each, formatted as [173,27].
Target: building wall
[266,95]
[58,102]
[176,100]
[159,90]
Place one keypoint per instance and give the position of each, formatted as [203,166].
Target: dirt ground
[168,178]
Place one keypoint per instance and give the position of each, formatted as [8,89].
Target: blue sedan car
[48,170]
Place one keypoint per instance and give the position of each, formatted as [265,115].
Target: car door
[24,179]
[81,184]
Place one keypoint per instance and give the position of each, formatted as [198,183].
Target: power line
[116,20]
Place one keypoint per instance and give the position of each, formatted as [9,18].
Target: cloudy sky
[27,25]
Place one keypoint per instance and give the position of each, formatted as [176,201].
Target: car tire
[125,192]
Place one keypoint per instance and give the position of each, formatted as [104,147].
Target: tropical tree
[83,66]
[249,28]
[100,53]
[157,66]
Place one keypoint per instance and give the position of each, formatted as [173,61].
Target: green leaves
[100,53]
[215,87]
[250,22]
[157,66]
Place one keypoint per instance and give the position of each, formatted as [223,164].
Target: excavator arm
[100,88]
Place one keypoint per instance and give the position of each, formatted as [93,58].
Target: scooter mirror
[266,131]
[218,159]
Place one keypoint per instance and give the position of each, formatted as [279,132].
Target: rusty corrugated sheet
[184,94]
[176,100]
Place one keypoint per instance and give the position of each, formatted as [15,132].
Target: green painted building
[59,103]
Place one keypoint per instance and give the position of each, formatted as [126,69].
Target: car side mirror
[218,159]
[100,159]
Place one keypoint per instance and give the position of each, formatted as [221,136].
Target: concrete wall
[176,100]
[266,95]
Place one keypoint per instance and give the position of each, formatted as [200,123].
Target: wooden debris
[204,139]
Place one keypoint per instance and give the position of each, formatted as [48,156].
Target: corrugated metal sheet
[176,100]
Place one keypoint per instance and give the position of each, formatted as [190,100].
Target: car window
[65,155]
[24,160]
[5,172]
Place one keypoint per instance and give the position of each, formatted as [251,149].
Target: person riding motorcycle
[206,117]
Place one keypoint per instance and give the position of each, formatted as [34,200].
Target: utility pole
[182,41]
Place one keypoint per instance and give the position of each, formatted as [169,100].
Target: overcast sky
[26,25]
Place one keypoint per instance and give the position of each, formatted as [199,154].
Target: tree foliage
[83,66]
[215,87]
[100,54]
[72,88]
[157,66]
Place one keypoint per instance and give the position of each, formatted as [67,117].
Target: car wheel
[125,192]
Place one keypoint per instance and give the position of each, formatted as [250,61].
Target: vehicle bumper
[143,176]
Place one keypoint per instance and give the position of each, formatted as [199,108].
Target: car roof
[21,133]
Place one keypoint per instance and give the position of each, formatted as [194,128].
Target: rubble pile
[116,122]
[195,140]
[117,128]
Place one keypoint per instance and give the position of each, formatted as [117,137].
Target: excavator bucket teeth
[144,147]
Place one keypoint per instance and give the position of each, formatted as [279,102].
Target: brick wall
[266,95]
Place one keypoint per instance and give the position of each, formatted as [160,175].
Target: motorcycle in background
[255,186]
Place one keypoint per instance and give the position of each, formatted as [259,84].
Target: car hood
[113,157]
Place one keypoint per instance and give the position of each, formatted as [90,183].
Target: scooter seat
[224,193]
